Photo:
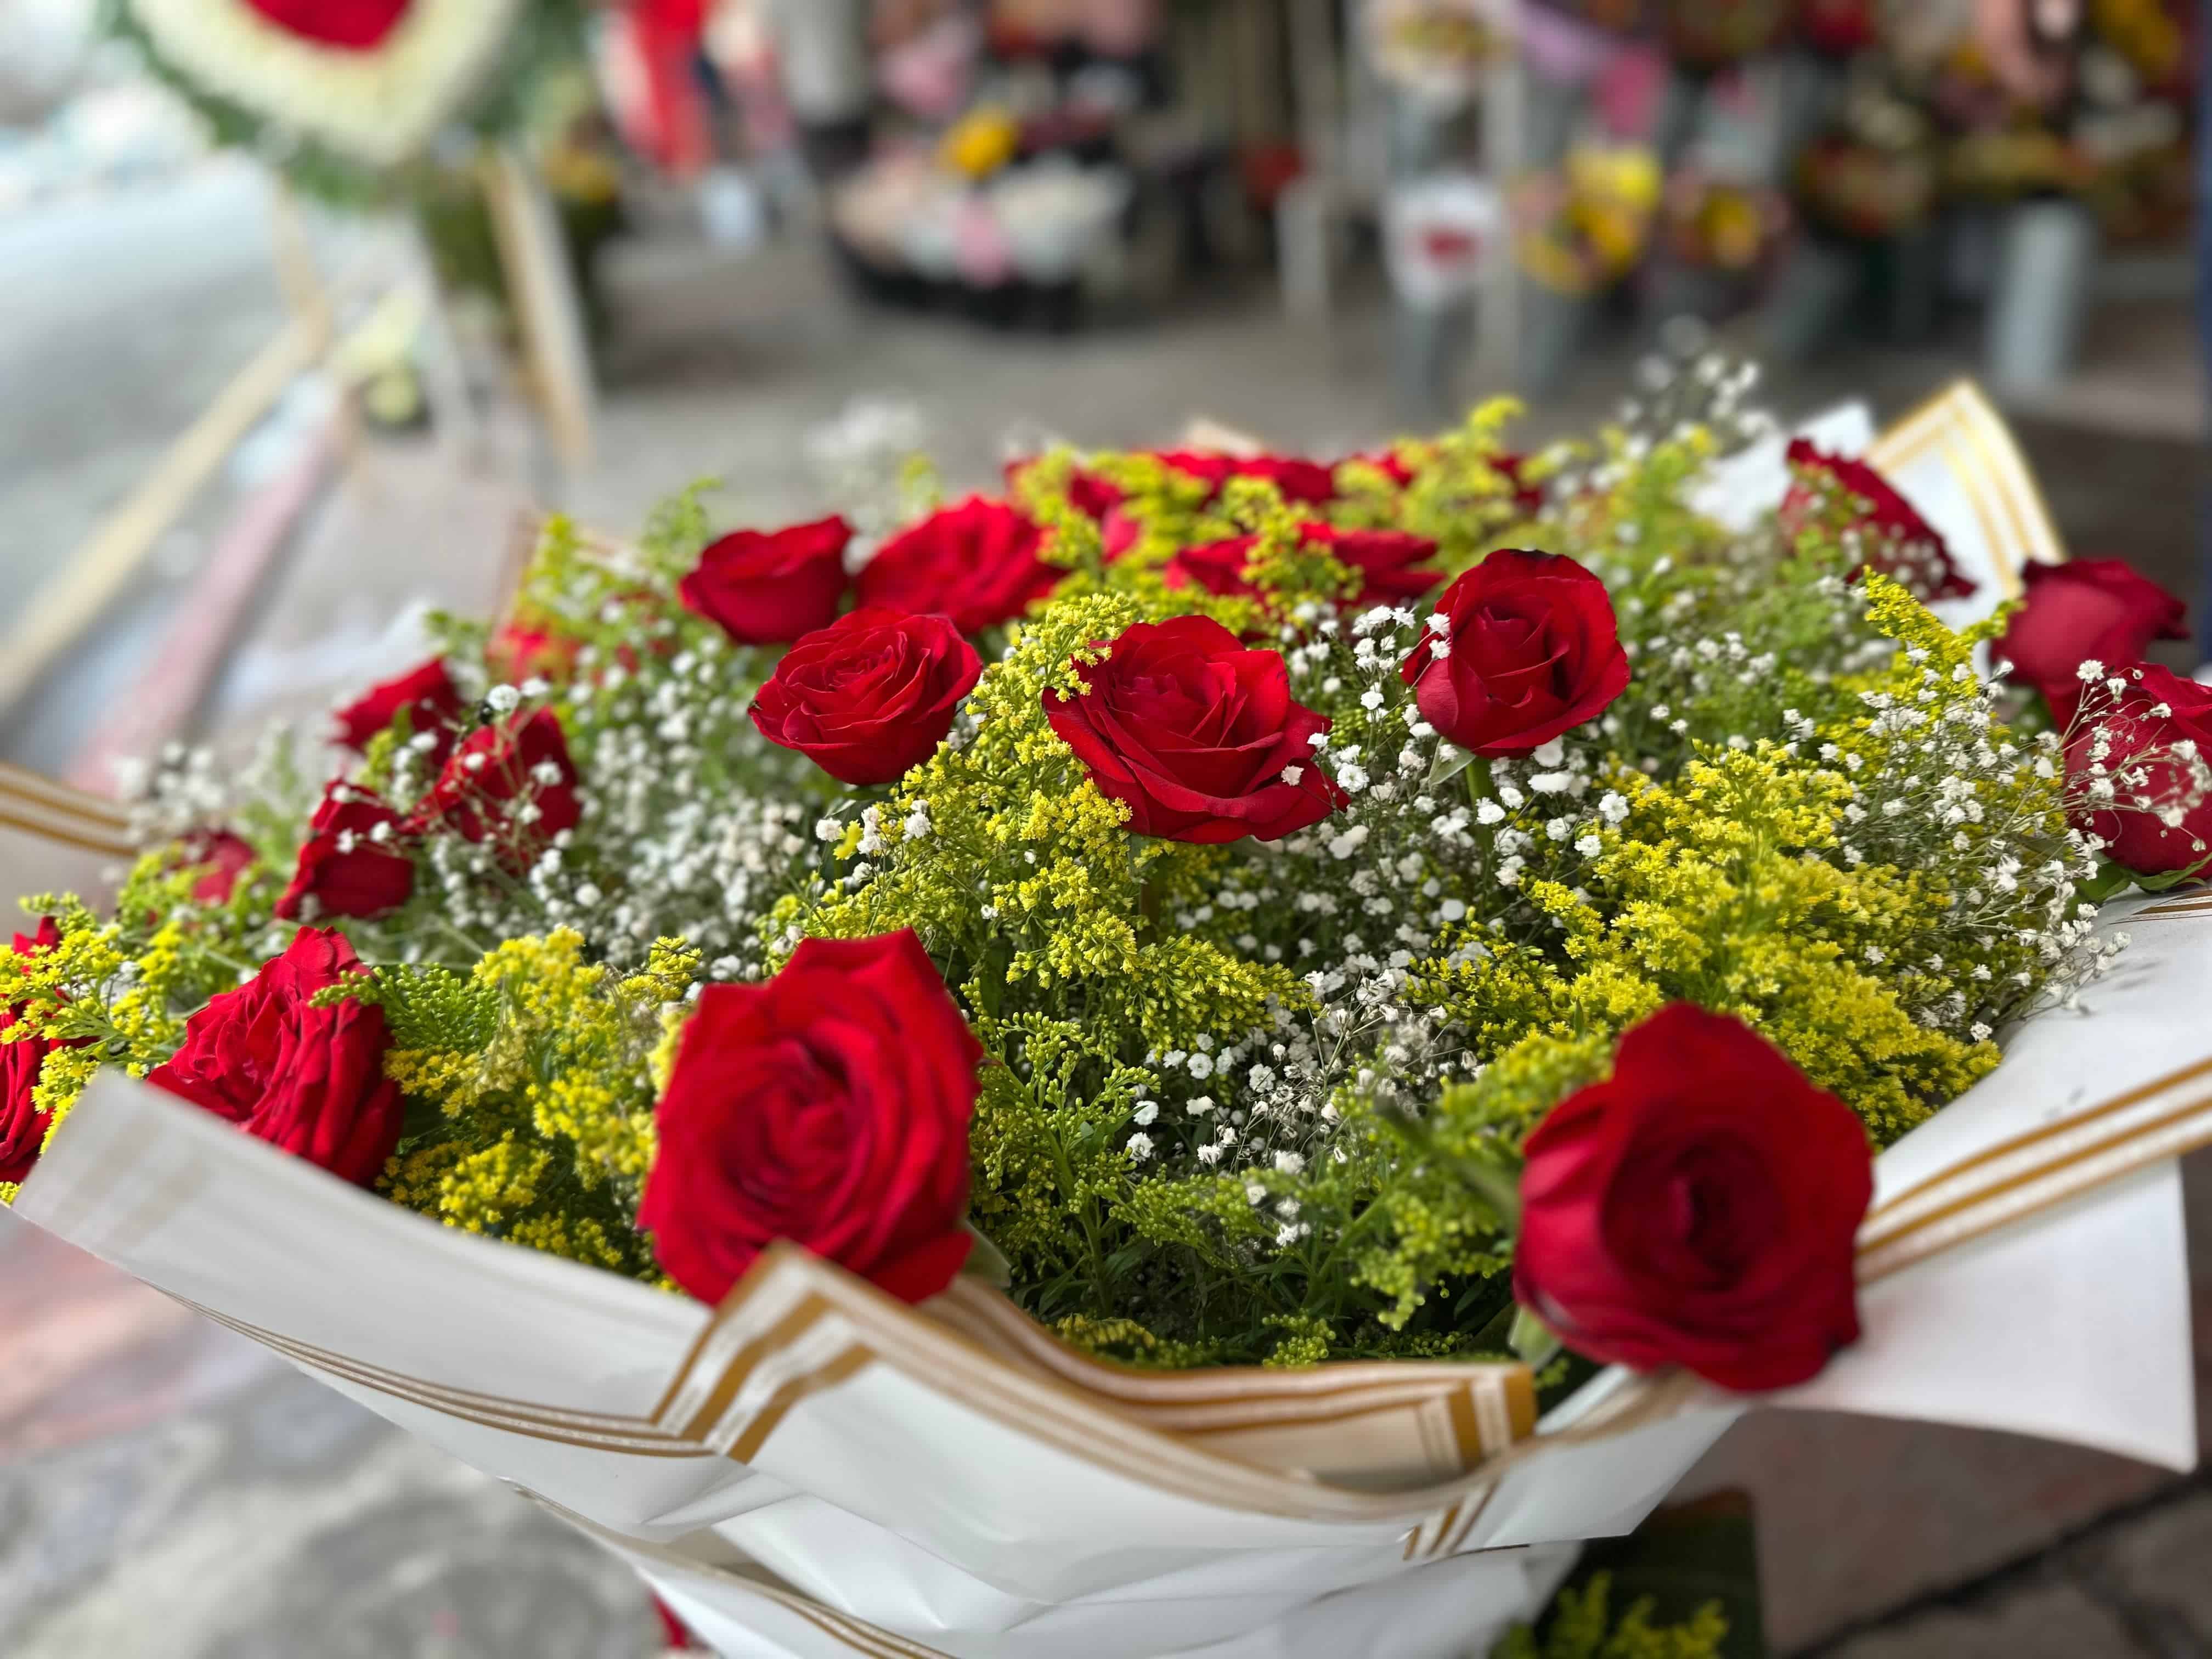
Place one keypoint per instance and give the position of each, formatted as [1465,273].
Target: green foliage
[1583,1625]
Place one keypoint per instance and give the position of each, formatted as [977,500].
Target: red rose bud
[1905,546]
[516,653]
[22,1126]
[2140,734]
[830,1107]
[308,1080]
[1699,1208]
[353,864]
[2085,610]
[976,563]
[1199,738]
[220,857]
[511,782]
[869,696]
[1304,483]
[427,693]
[1532,651]
[770,587]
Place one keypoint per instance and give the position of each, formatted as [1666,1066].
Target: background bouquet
[964,1028]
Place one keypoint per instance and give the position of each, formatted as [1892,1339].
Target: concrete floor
[165,1488]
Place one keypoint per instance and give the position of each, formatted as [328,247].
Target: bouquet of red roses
[1217,1053]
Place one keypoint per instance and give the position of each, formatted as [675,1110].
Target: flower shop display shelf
[600,976]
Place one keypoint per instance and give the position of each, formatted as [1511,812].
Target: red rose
[427,693]
[2135,734]
[1199,737]
[1387,562]
[1390,562]
[1389,461]
[2090,609]
[1089,493]
[307,1081]
[352,864]
[767,588]
[220,857]
[976,563]
[22,1125]
[1698,1208]
[1528,497]
[829,1107]
[516,653]
[1532,651]
[870,696]
[1304,483]
[1217,566]
[512,782]
[340,25]
[1118,532]
[1905,546]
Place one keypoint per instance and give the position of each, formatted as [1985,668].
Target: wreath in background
[341,95]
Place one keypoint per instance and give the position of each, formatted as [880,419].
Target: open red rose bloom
[308,1080]
[975,562]
[1698,1208]
[2084,610]
[1531,651]
[830,1107]
[1199,737]
[870,697]
[2152,733]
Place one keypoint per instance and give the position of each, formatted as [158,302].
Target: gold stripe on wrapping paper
[1966,1173]
[1491,1405]
[20,783]
[1965,426]
[631,1437]
[37,806]
[961,1348]
[2075,1165]
[2189,904]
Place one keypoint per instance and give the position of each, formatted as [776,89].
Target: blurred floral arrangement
[1582,230]
[344,98]
[1331,866]
[1721,224]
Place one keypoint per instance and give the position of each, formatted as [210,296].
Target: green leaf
[987,1262]
[1532,1339]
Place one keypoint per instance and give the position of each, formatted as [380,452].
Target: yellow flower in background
[981,141]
